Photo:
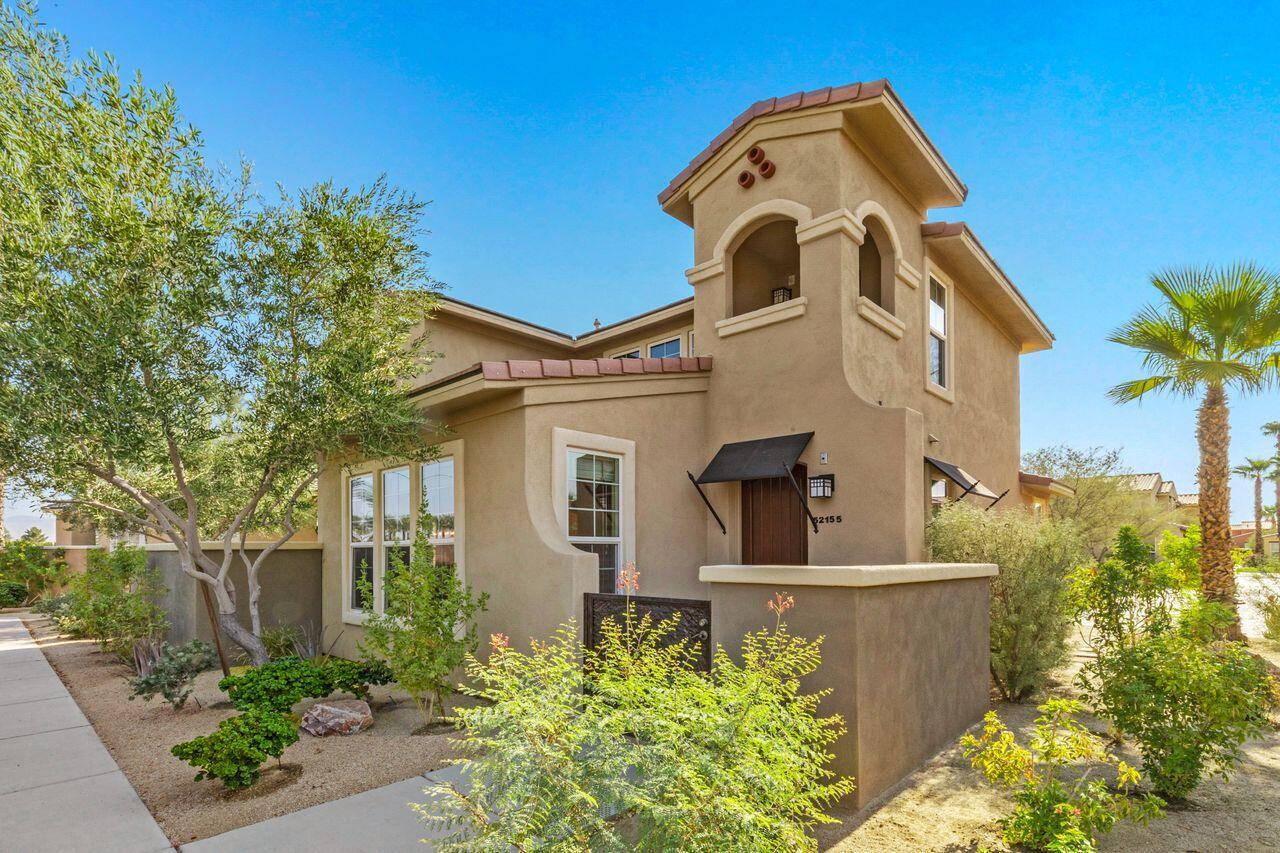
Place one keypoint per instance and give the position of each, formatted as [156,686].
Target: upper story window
[765,268]
[595,510]
[877,277]
[635,353]
[939,331]
[665,349]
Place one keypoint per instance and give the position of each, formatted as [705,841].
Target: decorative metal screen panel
[694,625]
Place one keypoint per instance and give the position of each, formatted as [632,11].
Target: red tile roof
[555,368]
[796,101]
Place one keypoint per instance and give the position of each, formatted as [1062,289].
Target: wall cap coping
[847,576]
[765,316]
[251,545]
[880,318]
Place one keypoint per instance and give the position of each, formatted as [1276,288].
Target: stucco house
[841,365]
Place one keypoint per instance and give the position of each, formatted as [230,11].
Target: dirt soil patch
[314,770]
[947,806]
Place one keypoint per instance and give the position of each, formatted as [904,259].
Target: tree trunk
[1217,572]
[231,627]
[1257,515]
[4,492]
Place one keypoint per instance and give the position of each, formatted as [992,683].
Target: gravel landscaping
[315,770]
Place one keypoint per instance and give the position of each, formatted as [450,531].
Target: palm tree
[1273,429]
[1217,329]
[1255,469]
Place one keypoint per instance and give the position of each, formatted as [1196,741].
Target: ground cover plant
[280,684]
[631,748]
[427,627]
[1160,675]
[1058,807]
[1030,613]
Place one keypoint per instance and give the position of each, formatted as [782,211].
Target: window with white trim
[691,350]
[397,523]
[937,492]
[635,353]
[360,535]
[939,348]
[594,495]
[665,349]
[437,492]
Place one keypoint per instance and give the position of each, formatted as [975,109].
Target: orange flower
[781,603]
[628,580]
[499,641]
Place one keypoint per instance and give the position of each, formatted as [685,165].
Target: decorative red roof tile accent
[551,368]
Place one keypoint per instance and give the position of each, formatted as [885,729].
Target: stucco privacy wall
[516,548]
[906,663]
[291,591]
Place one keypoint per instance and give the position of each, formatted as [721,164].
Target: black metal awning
[757,459]
[963,479]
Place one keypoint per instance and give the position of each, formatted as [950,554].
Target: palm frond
[1127,392]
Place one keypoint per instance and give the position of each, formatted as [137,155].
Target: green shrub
[349,676]
[1188,705]
[12,593]
[1159,675]
[173,672]
[630,748]
[280,641]
[237,749]
[1054,811]
[27,564]
[1030,613]
[427,628]
[114,601]
[64,611]
[276,686]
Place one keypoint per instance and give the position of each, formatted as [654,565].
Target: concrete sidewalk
[60,790]
[379,819]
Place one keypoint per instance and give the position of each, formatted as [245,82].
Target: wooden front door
[773,522]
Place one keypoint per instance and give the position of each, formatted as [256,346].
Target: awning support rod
[804,502]
[997,500]
[703,495]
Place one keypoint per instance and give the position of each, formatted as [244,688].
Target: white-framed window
[381,507]
[594,509]
[397,522]
[665,349]
[635,353]
[437,491]
[360,523]
[939,334]
[937,491]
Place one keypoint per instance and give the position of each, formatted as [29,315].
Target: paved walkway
[60,790]
[372,820]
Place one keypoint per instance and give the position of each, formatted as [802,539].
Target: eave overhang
[955,248]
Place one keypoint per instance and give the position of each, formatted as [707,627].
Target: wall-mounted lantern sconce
[822,485]
[781,294]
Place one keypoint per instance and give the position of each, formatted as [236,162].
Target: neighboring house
[1243,533]
[1037,491]
[841,364]
[1162,491]
[1189,508]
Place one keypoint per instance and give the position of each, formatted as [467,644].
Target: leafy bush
[349,676]
[12,593]
[237,749]
[63,610]
[1160,676]
[27,564]
[575,749]
[1053,812]
[281,684]
[427,627]
[1030,613]
[114,601]
[281,640]
[172,673]
[276,686]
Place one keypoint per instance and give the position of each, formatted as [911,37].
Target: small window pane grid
[938,367]
[595,513]
[666,349]
[392,507]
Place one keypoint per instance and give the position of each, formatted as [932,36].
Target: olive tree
[177,355]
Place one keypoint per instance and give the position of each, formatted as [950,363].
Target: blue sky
[1099,142]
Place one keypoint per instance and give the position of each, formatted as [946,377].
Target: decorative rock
[337,717]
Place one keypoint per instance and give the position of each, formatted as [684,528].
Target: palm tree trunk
[1217,573]
[1257,515]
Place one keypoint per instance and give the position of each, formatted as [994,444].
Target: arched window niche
[877,265]
[764,269]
